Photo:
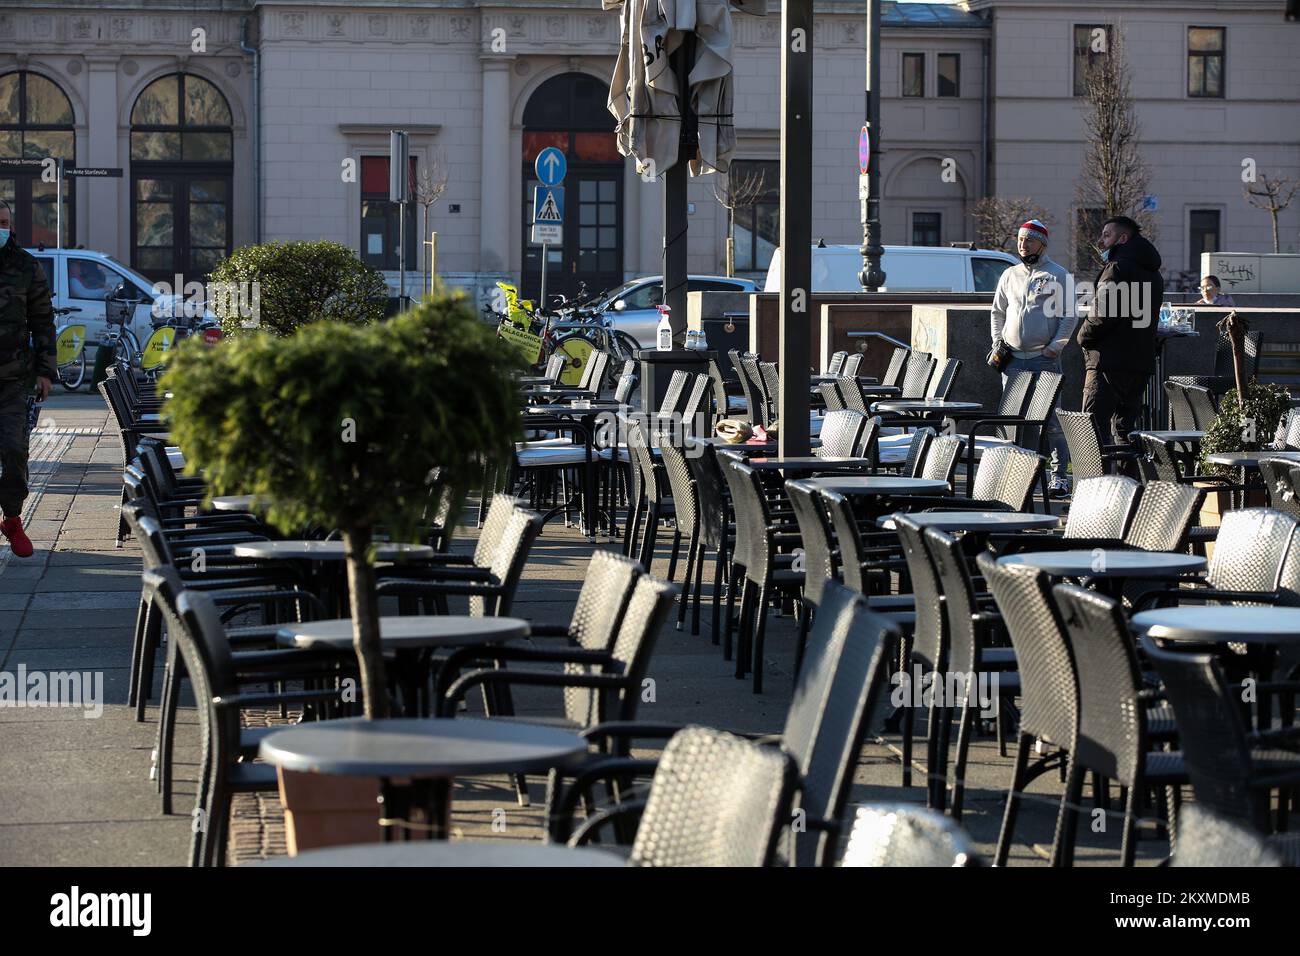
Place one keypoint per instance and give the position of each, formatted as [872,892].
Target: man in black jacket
[1119,336]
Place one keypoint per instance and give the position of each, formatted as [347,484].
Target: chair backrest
[816,535]
[1007,473]
[1112,729]
[1275,473]
[1291,437]
[840,433]
[494,526]
[831,396]
[917,449]
[148,532]
[1250,549]
[771,388]
[930,637]
[1157,461]
[906,835]
[943,379]
[1039,408]
[555,367]
[651,482]
[682,485]
[716,800]
[1014,398]
[1164,516]
[868,442]
[111,390]
[626,383]
[1223,365]
[1203,411]
[894,371]
[719,393]
[697,415]
[847,540]
[630,641]
[606,589]
[851,395]
[593,375]
[1207,839]
[1080,430]
[920,368]
[507,565]
[959,605]
[746,386]
[1181,417]
[711,493]
[827,757]
[1102,507]
[1211,732]
[1048,681]
[752,517]
[836,363]
[941,459]
[672,402]
[760,408]
[851,364]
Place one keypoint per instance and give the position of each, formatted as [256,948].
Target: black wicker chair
[1276,474]
[1089,456]
[1207,839]
[941,383]
[686,504]
[840,433]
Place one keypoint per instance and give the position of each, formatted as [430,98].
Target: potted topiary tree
[1248,424]
[276,287]
[340,425]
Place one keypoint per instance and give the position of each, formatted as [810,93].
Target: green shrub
[1251,428]
[298,283]
[341,425]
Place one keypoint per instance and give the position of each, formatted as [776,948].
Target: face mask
[4,236]
[1031,259]
[1104,253]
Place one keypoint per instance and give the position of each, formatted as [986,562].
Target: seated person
[1210,294]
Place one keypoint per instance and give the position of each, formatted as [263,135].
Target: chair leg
[217,827]
[959,765]
[672,559]
[805,614]
[1067,818]
[699,586]
[735,582]
[137,649]
[685,596]
[149,650]
[167,727]
[1013,801]
[719,569]
[745,630]
[760,632]
[1128,842]
[938,766]
[909,718]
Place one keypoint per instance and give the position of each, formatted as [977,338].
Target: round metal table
[882,485]
[325,551]
[1179,436]
[1249,459]
[236,503]
[1110,568]
[977,522]
[1215,624]
[412,639]
[809,464]
[495,854]
[926,406]
[429,753]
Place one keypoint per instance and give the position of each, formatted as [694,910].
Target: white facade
[335,77]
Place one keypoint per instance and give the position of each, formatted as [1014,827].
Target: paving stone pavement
[76,791]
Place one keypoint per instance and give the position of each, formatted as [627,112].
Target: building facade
[242,120]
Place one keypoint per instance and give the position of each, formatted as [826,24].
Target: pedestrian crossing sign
[548,214]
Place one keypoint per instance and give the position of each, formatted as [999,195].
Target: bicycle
[70,345]
[151,360]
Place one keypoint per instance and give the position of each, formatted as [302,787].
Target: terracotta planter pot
[1217,502]
[322,809]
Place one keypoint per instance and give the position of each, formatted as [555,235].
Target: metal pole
[675,227]
[401,256]
[541,296]
[58,205]
[796,223]
[872,276]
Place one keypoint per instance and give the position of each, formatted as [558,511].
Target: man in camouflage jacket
[26,346]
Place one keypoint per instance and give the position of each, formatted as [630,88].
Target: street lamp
[872,276]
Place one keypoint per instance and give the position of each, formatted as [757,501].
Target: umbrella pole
[675,246]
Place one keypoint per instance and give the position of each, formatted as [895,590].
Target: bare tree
[998,219]
[426,189]
[1272,195]
[737,191]
[1114,179]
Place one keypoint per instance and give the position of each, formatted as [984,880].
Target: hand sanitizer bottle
[664,333]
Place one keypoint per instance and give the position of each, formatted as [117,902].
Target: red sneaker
[12,528]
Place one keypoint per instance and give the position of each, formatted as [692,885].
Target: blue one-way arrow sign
[550,166]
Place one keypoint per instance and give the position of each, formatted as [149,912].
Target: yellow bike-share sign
[70,343]
[155,352]
[524,342]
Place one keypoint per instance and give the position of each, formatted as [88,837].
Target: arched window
[569,112]
[181,177]
[36,122]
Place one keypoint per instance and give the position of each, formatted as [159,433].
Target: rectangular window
[1091,43]
[758,213]
[380,225]
[1205,61]
[1202,236]
[926,228]
[949,70]
[914,74]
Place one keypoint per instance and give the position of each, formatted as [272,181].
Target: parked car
[631,307]
[83,279]
[907,269]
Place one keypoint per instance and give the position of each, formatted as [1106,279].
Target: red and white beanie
[1033,229]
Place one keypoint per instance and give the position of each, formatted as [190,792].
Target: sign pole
[541,304]
[796,224]
[58,206]
[872,276]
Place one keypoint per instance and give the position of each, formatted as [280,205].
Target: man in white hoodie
[1033,316]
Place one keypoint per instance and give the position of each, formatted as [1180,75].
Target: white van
[907,269]
[96,275]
